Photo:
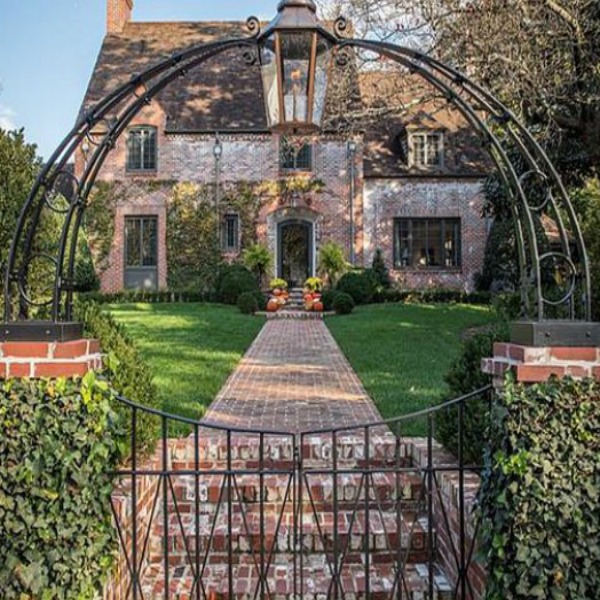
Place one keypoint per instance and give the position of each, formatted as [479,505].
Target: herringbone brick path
[293,378]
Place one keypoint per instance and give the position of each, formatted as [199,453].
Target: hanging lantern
[295,58]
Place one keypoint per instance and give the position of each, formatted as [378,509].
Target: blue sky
[48,49]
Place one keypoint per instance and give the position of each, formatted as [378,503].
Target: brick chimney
[118,14]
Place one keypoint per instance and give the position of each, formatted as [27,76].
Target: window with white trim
[427,149]
[142,149]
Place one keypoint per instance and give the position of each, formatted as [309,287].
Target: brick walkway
[293,378]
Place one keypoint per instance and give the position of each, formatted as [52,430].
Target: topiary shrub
[380,271]
[125,369]
[465,376]
[540,494]
[359,285]
[86,279]
[343,304]
[247,303]
[261,300]
[327,297]
[60,441]
[235,283]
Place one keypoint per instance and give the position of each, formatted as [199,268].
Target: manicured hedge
[132,297]
[378,296]
[540,497]
[430,296]
[60,441]
[125,368]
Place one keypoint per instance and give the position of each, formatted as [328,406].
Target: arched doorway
[295,251]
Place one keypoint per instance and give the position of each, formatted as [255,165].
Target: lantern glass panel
[321,80]
[270,81]
[296,53]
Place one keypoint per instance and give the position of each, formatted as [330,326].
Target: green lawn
[191,348]
[402,352]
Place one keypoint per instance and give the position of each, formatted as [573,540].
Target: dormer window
[142,149]
[426,149]
[295,159]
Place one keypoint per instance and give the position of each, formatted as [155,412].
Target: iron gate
[367,511]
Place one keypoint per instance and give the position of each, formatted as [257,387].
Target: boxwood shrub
[343,304]
[234,283]
[60,442]
[465,376]
[540,496]
[125,369]
[248,303]
[358,284]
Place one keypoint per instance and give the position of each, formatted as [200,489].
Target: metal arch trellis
[501,133]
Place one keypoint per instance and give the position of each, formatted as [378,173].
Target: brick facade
[389,199]
[189,114]
[255,158]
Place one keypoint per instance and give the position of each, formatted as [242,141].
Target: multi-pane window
[141,242]
[141,149]
[426,149]
[296,159]
[427,243]
[231,233]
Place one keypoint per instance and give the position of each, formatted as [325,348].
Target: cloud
[7,118]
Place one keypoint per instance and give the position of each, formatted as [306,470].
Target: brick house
[410,185]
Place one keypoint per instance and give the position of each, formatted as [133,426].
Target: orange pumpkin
[318,306]
[272,305]
[277,292]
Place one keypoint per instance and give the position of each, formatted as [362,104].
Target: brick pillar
[49,359]
[532,364]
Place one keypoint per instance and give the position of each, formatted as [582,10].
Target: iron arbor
[294,54]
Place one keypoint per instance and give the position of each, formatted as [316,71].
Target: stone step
[313,582]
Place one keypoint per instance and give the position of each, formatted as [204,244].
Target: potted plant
[312,293]
[279,287]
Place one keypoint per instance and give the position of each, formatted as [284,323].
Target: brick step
[278,451]
[315,583]
[384,537]
[385,490]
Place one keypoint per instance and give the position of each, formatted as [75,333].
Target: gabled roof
[223,94]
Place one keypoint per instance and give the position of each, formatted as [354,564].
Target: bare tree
[542,57]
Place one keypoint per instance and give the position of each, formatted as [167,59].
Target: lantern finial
[301,3]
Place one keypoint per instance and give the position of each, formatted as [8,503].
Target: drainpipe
[352,165]
[218,153]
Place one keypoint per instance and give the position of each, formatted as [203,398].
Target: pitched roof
[396,102]
[223,94]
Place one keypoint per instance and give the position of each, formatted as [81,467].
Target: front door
[295,252]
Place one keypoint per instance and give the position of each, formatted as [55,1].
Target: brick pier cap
[537,364]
